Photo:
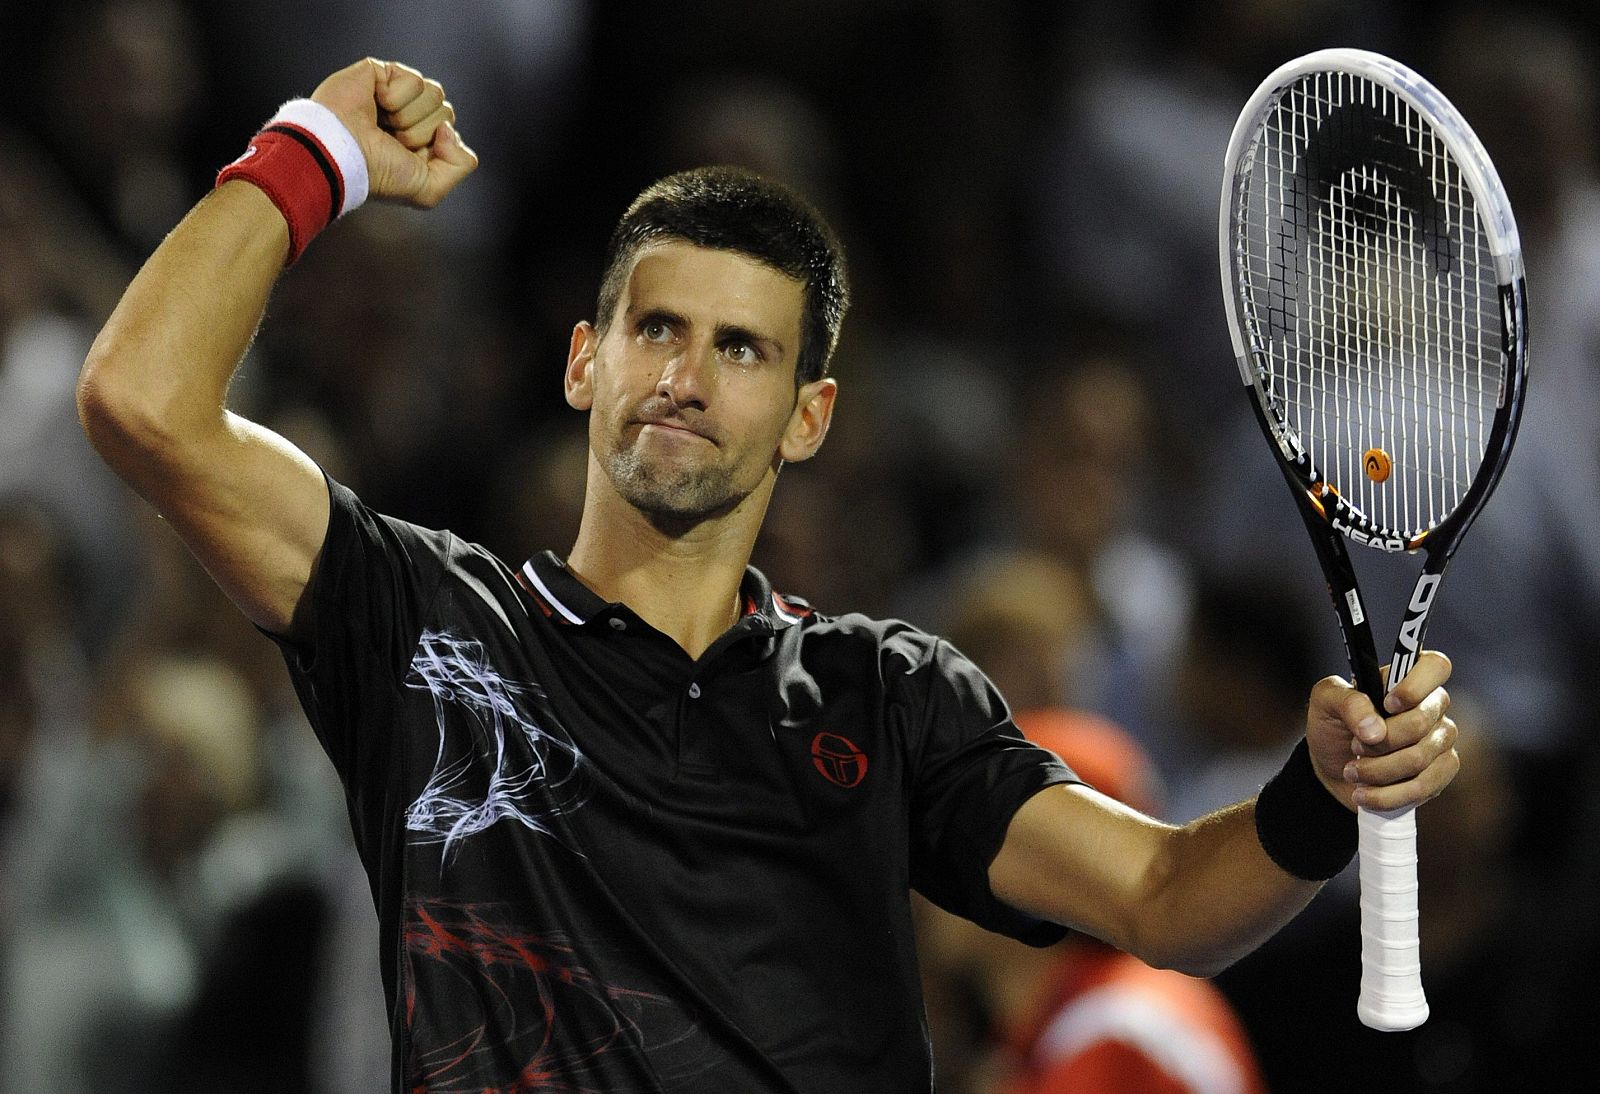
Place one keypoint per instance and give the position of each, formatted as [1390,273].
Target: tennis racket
[1374,287]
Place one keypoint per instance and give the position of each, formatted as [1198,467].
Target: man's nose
[687,376]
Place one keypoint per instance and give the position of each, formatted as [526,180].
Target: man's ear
[808,425]
[580,366]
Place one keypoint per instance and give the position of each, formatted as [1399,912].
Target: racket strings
[1372,298]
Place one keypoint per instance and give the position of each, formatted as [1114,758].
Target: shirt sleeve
[374,581]
[973,770]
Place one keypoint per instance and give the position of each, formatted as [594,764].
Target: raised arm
[152,395]
[1200,896]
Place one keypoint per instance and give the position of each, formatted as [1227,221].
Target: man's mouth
[675,425]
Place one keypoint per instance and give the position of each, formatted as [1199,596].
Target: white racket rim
[1477,170]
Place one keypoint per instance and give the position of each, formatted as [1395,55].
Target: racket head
[1373,282]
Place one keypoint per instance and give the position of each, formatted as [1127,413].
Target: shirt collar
[566,600]
[559,594]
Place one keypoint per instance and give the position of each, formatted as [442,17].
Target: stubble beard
[672,496]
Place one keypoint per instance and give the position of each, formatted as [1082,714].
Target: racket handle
[1391,956]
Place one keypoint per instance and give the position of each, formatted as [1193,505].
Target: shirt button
[617,624]
[694,691]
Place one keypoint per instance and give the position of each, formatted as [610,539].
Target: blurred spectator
[249,1026]
[181,611]
[155,844]
[839,549]
[1248,662]
[43,680]
[1090,477]
[125,875]
[58,279]
[1023,617]
[56,259]
[290,965]
[941,402]
[1082,1016]
[350,1048]
[1080,487]
[120,83]
[762,124]
[1537,113]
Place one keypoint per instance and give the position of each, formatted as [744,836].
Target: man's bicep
[254,510]
[1074,856]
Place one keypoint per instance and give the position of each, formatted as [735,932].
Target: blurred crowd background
[1040,449]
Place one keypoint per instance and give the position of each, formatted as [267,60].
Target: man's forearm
[1219,895]
[1195,897]
[160,367]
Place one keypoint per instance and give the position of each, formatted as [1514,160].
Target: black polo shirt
[602,865]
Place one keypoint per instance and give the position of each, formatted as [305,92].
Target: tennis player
[633,820]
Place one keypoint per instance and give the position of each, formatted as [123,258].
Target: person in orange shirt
[1081,1016]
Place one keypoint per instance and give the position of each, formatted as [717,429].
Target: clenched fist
[1385,763]
[405,128]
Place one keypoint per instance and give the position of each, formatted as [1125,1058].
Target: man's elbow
[1189,959]
[1164,932]
[124,422]
[1203,966]
[98,408]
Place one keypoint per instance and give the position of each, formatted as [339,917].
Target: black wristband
[1302,827]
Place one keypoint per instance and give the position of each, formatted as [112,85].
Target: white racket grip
[1391,956]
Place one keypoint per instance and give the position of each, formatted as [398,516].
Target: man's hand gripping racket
[1373,282]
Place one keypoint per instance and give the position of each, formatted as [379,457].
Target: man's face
[691,389]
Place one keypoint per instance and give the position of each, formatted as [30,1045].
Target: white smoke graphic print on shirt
[495,762]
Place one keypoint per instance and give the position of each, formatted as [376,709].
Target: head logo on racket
[1378,465]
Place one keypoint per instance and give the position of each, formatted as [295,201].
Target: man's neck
[685,583]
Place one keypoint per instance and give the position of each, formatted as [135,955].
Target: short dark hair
[732,209]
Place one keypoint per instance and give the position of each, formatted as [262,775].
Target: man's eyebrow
[657,314]
[728,332]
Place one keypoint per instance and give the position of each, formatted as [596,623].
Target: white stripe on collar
[786,615]
[544,590]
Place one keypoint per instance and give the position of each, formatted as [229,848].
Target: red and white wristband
[309,164]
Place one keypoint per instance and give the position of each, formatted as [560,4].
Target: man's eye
[740,353]
[655,331]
